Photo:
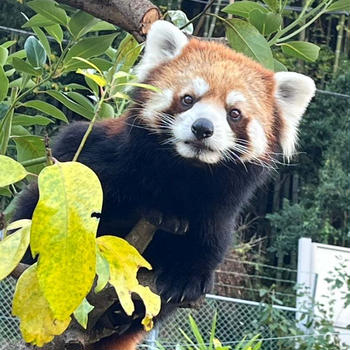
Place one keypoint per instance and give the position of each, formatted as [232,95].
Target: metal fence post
[305,280]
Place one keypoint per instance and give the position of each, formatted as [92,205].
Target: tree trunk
[134,16]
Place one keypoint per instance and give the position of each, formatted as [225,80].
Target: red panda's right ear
[164,42]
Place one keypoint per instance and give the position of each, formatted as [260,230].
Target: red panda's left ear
[164,42]
[294,92]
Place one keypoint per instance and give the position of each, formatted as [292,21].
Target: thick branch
[135,16]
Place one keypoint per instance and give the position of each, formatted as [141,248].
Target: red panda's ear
[164,42]
[294,92]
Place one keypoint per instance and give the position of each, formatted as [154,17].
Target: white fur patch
[159,102]
[234,97]
[257,138]
[164,42]
[200,86]
[293,94]
[222,139]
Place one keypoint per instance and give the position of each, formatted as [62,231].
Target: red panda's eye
[187,100]
[235,114]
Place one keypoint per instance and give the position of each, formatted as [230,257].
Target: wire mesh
[235,320]
[9,325]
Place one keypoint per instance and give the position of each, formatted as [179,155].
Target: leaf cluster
[62,232]
[258,30]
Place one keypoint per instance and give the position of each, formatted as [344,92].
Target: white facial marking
[200,86]
[234,97]
[257,139]
[159,102]
[221,140]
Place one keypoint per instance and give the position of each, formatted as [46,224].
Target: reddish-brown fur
[224,70]
[125,342]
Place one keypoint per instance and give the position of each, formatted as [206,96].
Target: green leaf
[102,25]
[37,322]
[179,18]
[10,171]
[101,63]
[301,49]
[196,332]
[72,105]
[19,82]
[243,8]
[5,129]
[245,38]
[46,108]
[5,192]
[29,120]
[340,5]
[19,130]
[75,86]
[4,85]
[38,21]
[56,32]
[18,54]
[10,72]
[82,100]
[3,55]
[63,234]
[30,147]
[8,44]
[278,66]
[124,261]
[81,313]
[272,4]
[80,23]
[49,10]
[102,272]
[35,52]
[106,111]
[13,247]
[42,38]
[126,55]
[266,23]
[24,67]
[89,47]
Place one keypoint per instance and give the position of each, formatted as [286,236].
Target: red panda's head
[215,103]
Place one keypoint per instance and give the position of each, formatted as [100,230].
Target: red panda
[187,158]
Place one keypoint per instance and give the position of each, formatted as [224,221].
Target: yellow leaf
[13,247]
[100,81]
[10,171]
[124,261]
[216,343]
[38,325]
[89,63]
[63,233]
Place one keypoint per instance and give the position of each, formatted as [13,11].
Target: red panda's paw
[182,286]
[167,223]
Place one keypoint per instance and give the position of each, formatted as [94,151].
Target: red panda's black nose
[202,128]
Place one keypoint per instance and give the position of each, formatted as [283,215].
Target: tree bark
[134,16]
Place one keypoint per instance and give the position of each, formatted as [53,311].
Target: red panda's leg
[124,342]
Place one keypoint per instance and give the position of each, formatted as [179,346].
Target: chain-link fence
[9,325]
[235,319]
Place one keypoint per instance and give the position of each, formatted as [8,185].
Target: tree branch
[134,16]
